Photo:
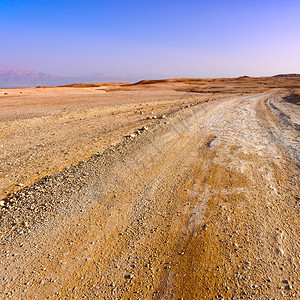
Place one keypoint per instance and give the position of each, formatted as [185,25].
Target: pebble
[280,251]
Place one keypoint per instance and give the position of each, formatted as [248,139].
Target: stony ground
[201,203]
[44,131]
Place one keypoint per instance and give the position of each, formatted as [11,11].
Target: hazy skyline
[151,38]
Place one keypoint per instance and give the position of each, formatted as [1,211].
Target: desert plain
[162,189]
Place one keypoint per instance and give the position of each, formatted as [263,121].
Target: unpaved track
[203,207]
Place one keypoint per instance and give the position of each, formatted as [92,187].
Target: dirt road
[203,205]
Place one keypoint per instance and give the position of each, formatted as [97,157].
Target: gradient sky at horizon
[151,39]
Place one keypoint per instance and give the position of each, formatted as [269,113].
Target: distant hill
[15,77]
[287,75]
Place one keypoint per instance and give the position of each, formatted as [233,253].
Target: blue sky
[150,39]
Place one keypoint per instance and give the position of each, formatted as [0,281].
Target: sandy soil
[202,205]
[44,131]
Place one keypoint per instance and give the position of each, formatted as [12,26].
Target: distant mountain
[287,75]
[14,77]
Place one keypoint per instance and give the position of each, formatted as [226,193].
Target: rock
[2,203]
[154,117]
[163,116]
[289,287]
[280,251]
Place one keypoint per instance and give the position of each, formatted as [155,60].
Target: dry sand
[200,204]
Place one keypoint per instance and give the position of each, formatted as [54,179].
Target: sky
[151,39]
